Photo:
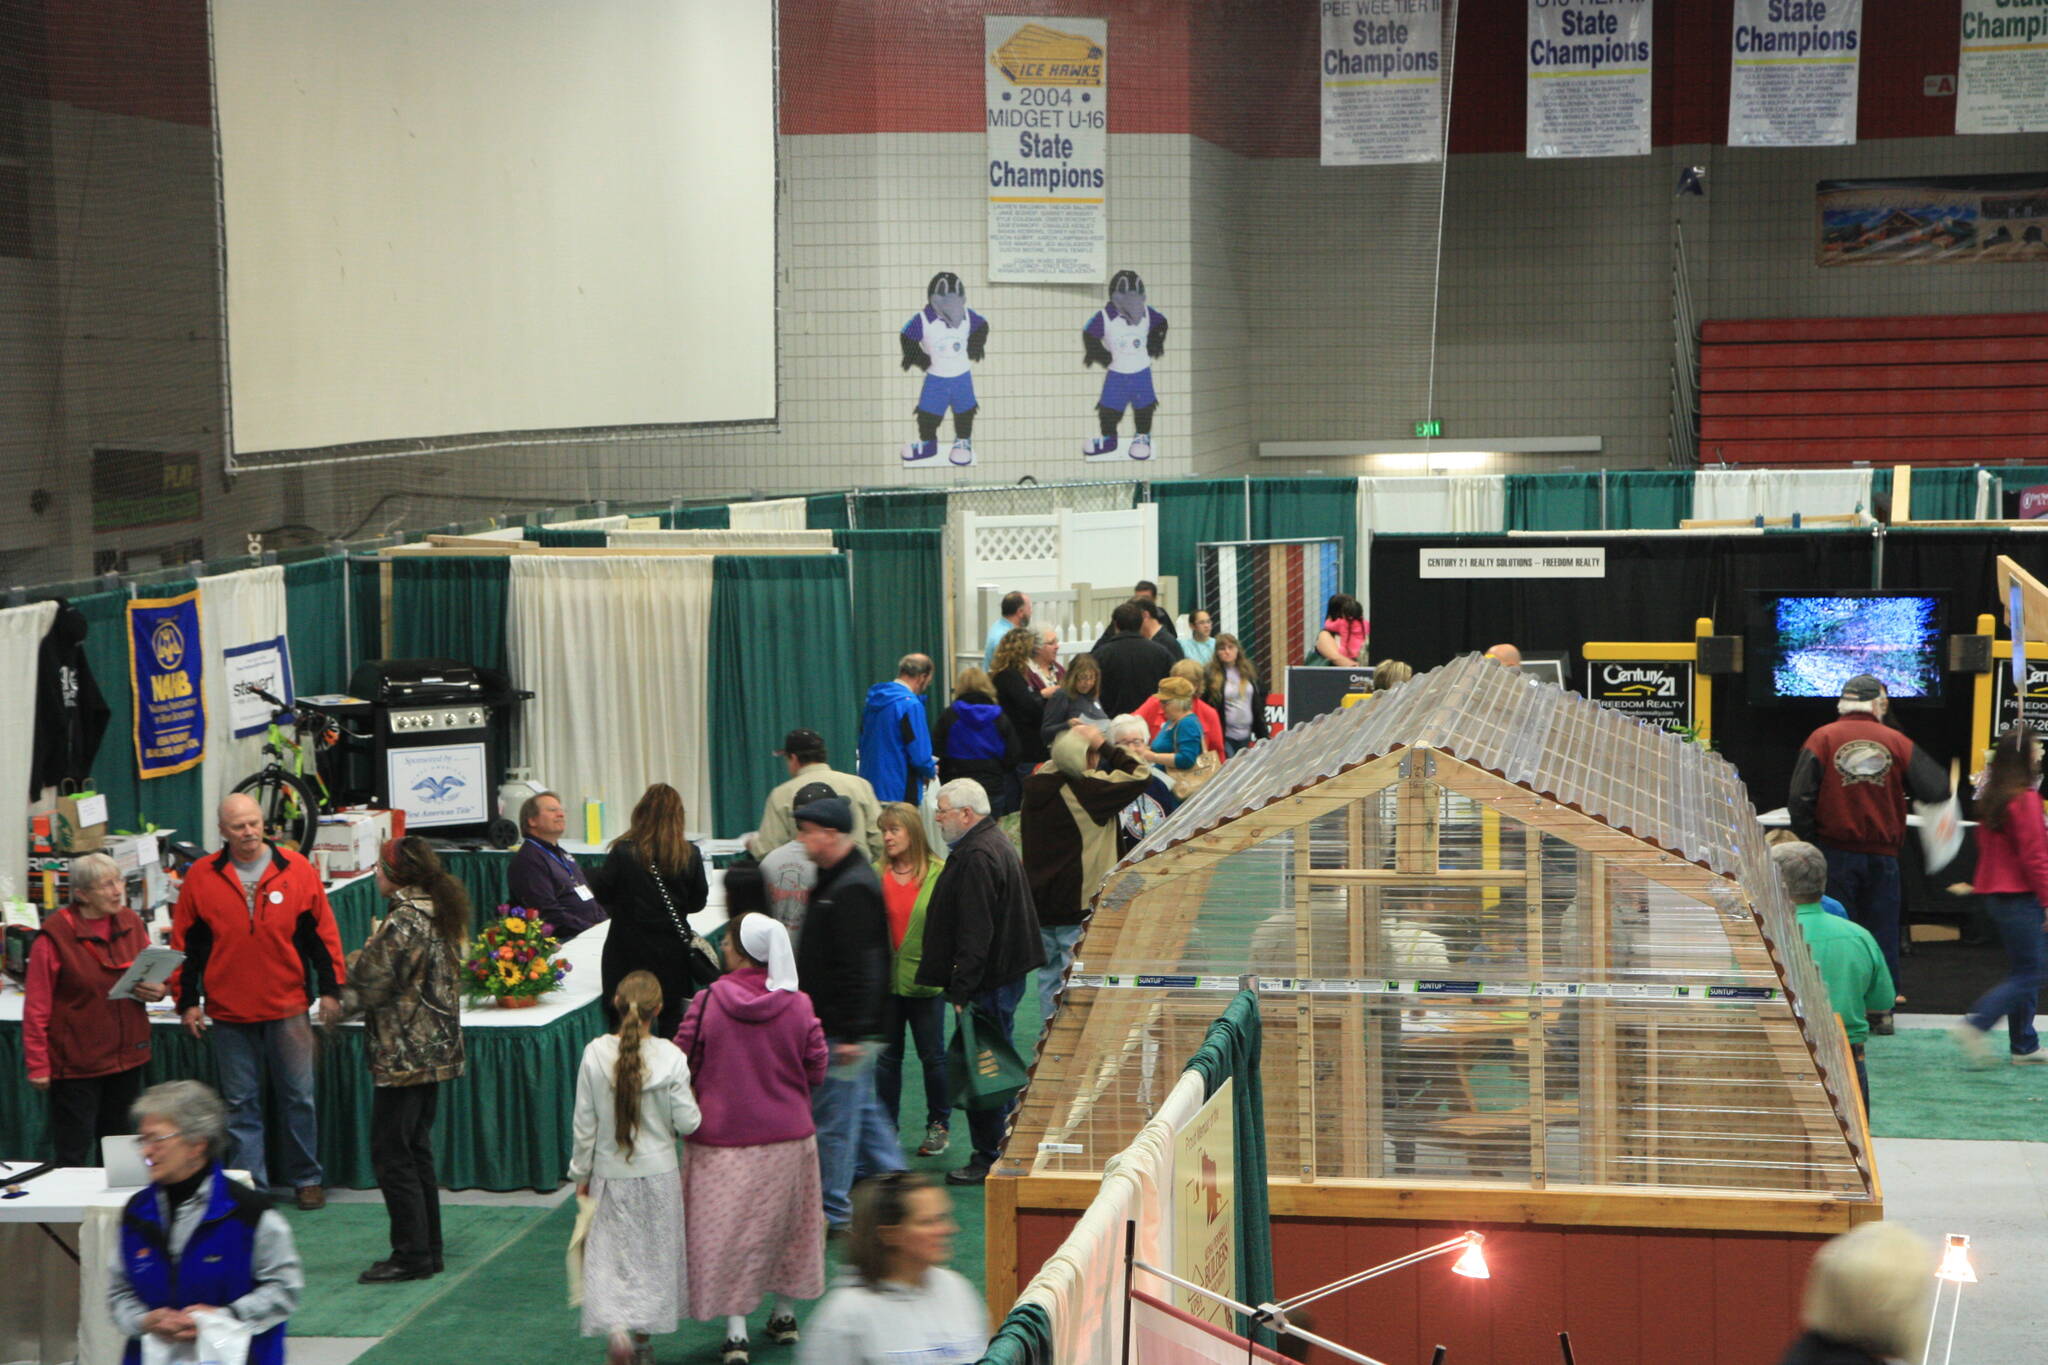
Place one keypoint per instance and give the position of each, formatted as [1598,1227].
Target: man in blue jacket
[895,743]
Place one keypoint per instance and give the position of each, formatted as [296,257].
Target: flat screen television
[1805,645]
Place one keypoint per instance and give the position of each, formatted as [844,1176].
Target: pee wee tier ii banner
[1589,78]
[1047,84]
[1382,75]
[1793,82]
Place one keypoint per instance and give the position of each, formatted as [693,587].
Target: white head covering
[767,941]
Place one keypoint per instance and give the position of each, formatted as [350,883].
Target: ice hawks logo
[438,788]
[1863,760]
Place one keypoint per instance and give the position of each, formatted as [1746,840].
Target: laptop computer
[123,1161]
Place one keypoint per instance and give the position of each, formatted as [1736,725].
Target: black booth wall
[1656,587]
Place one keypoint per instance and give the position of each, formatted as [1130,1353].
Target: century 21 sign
[1656,691]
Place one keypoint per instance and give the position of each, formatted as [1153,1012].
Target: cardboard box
[348,842]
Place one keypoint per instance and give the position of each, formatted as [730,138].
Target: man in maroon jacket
[1849,790]
[260,947]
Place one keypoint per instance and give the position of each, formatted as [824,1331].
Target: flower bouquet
[512,960]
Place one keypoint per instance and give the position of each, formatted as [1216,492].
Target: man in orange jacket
[260,946]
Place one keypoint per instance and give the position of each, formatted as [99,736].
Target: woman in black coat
[652,882]
[1023,703]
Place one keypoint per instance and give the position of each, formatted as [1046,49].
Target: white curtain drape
[722,542]
[613,648]
[781,514]
[1744,494]
[1987,503]
[21,636]
[1462,504]
[617,523]
[235,609]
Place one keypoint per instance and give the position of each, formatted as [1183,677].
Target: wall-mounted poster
[945,339]
[1933,220]
[1589,78]
[1382,75]
[164,669]
[1794,73]
[2002,80]
[1124,336]
[1047,84]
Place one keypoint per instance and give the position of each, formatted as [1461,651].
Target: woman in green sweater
[908,873]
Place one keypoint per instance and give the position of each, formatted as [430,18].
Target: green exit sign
[1429,428]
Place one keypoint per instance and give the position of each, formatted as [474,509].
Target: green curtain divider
[782,656]
[1648,499]
[716,518]
[316,611]
[366,610]
[825,512]
[1553,502]
[450,607]
[1195,510]
[1025,1338]
[897,585]
[578,539]
[1231,1050]
[504,1125]
[1944,494]
[1298,509]
[900,511]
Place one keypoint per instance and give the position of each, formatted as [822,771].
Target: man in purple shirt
[547,878]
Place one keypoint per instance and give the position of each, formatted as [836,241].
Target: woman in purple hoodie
[755,1218]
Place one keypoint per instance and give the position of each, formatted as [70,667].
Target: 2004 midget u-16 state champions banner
[1589,78]
[1794,73]
[1382,75]
[1047,82]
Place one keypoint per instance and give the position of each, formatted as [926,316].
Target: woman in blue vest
[193,1241]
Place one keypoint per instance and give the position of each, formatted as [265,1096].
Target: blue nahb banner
[163,666]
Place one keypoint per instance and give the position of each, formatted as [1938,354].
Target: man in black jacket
[1131,664]
[842,963]
[980,939]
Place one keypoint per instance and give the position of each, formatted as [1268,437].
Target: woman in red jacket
[84,1051]
[2012,877]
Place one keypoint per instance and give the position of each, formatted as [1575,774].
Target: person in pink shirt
[1345,633]
[2012,877]
[754,1212]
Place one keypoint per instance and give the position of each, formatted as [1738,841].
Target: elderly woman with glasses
[84,1051]
[193,1241]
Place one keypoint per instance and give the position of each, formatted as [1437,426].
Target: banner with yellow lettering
[164,664]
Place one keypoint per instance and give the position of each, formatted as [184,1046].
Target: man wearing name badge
[255,927]
[546,877]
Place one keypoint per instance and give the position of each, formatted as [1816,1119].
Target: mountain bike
[289,790]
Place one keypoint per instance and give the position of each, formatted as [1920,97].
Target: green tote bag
[982,1067]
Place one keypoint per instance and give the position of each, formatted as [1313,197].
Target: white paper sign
[441,784]
[266,664]
[1047,84]
[1589,78]
[1793,82]
[1588,562]
[2003,80]
[1382,74]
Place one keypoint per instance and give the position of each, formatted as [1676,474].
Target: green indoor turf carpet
[511,1305]
[1921,1087]
[340,1241]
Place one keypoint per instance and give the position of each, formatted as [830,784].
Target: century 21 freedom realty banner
[1589,78]
[1047,82]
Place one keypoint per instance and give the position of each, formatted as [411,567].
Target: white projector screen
[462,217]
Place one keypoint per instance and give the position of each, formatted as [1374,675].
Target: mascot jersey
[947,382]
[1128,382]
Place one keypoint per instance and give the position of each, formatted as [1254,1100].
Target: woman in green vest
[908,873]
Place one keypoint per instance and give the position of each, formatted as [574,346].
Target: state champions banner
[1589,78]
[1047,86]
[1794,76]
[1382,82]
[2002,82]
[164,668]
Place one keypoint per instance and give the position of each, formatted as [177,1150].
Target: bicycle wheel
[291,810]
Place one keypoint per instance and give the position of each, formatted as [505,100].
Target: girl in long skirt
[633,1102]
[757,1220]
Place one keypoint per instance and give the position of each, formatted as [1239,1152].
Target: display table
[50,1305]
[504,1125]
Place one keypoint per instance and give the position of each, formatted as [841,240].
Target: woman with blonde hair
[1391,673]
[1212,724]
[1179,734]
[1232,687]
[652,882]
[1076,703]
[909,871]
[633,1104]
[1869,1295]
[757,1211]
[1023,703]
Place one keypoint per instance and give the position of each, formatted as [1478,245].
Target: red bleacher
[1913,390]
